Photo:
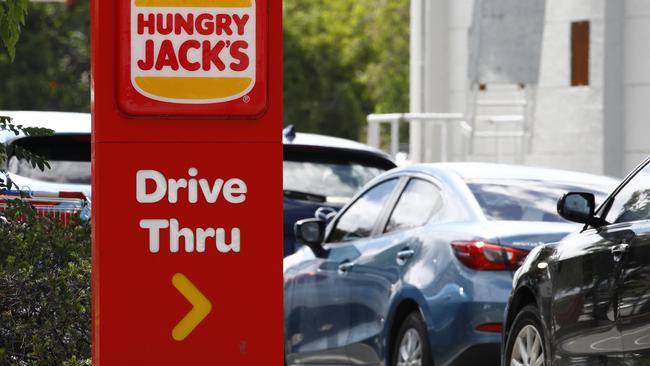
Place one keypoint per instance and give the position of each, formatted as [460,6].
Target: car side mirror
[577,207]
[310,232]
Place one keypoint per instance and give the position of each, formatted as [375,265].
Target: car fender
[528,284]
[406,294]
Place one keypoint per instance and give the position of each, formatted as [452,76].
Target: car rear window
[68,155]
[523,200]
[336,177]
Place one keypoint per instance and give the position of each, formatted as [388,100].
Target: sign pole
[187,181]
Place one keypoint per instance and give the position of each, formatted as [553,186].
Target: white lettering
[235,191]
[211,195]
[192,190]
[201,236]
[153,187]
[174,186]
[175,234]
[235,241]
[154,227]
[142,177]
[188,235]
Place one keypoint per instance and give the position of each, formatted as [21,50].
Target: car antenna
[289,133]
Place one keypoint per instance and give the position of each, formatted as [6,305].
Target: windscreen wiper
[298,195]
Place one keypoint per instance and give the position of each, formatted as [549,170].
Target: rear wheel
[411,347]
[526,344]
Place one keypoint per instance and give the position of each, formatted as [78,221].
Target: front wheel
[411,347]
[526,345]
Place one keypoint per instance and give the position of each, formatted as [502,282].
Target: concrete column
[613,93]
[636,83]
[429,74]
[417,78]
[436,88]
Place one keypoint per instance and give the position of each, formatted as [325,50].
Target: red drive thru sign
[187,164]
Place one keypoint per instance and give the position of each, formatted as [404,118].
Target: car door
[319,317]
[583,304]
[630,211]
[634,294]
[376,274]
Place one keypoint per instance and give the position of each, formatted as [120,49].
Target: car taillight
[484,256]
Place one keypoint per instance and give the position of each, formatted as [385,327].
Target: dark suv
[586,299]
[321,174]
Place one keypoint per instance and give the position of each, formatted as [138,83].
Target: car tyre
[411,346]
[526,343]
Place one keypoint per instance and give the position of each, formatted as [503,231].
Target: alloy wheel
[528,349]
[410,349]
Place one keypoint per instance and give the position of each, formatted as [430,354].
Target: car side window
[419,201]
[359,219]
[632,203]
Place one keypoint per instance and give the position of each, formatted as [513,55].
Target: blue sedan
[417,269]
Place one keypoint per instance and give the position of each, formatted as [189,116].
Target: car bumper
[455,316]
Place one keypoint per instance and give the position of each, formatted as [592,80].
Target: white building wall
[636,84]
[568,120]
[588,128]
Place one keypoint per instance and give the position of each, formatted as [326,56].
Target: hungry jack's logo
[193,51]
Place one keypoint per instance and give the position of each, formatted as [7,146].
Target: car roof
[457,175]
[310,139]
[493,171]
[60,122]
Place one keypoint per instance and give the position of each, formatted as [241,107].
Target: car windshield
[522,200]
[334,180]
[67,154]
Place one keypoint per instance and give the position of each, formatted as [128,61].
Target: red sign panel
[181,236]
[192,58]
[187,175]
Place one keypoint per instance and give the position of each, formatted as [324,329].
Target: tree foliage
[44,265]
[12,17]
[342,61]
[51,70]
[45,285]
[44,276]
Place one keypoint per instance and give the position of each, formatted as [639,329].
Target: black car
[321,174]
[586,299]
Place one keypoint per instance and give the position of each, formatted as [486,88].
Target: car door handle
[345,267]
[405,255]
[619,250]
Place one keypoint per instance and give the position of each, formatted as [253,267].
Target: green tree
[386,76]
[51,70]
[342,61]
[320,92]
[45,266]
[12,17]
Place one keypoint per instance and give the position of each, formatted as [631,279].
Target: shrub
[45,297]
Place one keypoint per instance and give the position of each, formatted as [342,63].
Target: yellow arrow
[202,307]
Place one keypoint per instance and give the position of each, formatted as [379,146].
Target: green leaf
[35,131]
[12,18]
